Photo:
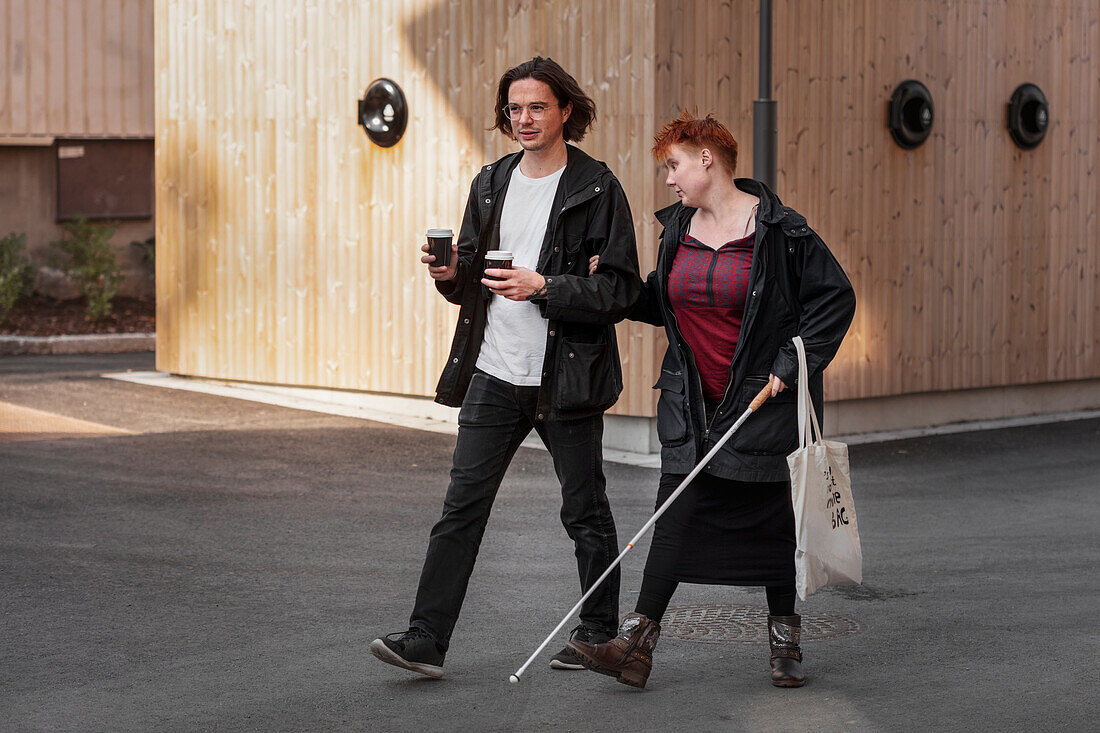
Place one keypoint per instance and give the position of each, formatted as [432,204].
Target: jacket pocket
[588,375]
[672,428]
[772,429]
[575,259]
[573,243]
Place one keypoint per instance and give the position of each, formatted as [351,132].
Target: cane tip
[513,679]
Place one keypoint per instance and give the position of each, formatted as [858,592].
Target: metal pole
[765,126]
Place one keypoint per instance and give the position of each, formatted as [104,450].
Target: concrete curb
[419,413]
[97,343]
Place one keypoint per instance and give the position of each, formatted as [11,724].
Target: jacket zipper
[740,340]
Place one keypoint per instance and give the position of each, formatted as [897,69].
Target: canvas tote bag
[828,550]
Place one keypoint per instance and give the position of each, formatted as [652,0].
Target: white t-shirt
[515,331]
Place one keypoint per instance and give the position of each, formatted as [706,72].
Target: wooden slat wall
[288,245]
[975,263]
[76,68]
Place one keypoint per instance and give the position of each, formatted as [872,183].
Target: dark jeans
[494,419]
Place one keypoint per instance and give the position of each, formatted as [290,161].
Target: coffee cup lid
[440,233]
[498,254]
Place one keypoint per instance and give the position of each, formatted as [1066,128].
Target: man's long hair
[565,88]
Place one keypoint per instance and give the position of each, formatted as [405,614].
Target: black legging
[657,592]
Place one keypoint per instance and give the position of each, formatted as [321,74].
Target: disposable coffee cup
[439,244]
[498,258]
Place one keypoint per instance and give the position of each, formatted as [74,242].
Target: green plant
[92,264]
[148,249]
[15,272]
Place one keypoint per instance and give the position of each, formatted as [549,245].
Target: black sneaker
[414,650]
[565,660]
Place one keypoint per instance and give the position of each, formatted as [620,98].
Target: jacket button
[596,189]
[539,416]
[455,360]
[571,354]
[557,249]
[465,320]
[488,167]
[754,293]
[551,333]
[488,201]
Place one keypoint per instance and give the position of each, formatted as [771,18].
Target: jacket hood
[581,170]
[771,209]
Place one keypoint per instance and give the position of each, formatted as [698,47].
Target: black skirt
[724,532]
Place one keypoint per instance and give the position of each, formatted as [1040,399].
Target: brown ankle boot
[628,657]
[783,634]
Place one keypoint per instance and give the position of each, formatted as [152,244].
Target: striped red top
[707,290]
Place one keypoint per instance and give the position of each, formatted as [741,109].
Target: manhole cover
[717,624]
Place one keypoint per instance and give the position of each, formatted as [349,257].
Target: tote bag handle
[807,426]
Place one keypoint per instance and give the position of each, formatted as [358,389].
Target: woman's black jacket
[581,371]
[796,287]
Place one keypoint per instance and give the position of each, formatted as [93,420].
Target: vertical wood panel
[95,86]
[44,20]
[10,61]
[76,68]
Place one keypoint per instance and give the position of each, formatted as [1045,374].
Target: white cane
[753,406]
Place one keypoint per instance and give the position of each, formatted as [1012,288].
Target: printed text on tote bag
[832,500]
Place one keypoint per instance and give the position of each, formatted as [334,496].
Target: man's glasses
[537,110]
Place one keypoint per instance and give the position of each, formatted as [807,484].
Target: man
[534,348]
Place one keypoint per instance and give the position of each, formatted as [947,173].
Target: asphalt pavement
[175,561]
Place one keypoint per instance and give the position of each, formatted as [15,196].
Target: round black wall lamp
[383,112]
[911,114]
[1028,116]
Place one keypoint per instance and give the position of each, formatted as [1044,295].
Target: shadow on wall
[481,43]
[189,239]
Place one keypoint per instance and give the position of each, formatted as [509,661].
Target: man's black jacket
[581,371]
[796,287]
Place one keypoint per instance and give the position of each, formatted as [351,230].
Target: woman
[738,276]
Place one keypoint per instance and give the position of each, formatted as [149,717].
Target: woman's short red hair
[698,133]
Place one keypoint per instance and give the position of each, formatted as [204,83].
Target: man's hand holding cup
[440,254]
[513,283]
